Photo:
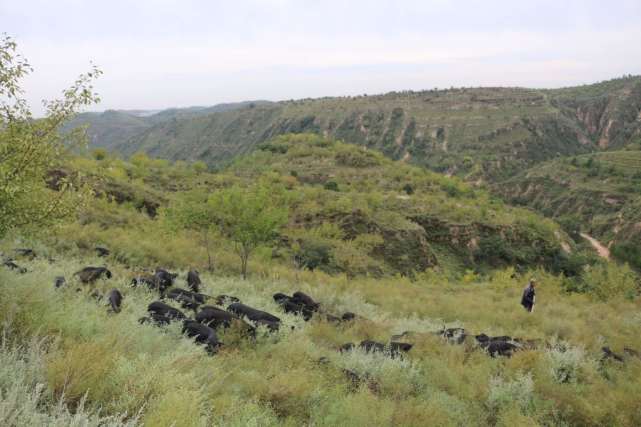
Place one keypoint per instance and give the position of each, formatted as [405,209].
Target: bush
[566,363]
[518,392]
[356,157]
[628,252]
[313,253]
[274,147]
[607,280]
[25,400]
[199,166]
[494,250]
[99,154]
[331,186]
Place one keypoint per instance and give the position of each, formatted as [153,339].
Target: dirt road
[601,250]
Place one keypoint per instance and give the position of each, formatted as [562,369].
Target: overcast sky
[163,53]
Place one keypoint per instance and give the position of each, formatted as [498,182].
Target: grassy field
[107,365]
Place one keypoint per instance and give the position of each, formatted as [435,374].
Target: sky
[167,53]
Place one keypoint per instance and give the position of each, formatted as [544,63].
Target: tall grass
[26,400]
[108,364]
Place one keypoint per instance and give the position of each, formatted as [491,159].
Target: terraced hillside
[599,194]
[488,133]
[352,211]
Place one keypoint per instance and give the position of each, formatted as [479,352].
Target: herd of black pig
[208,318]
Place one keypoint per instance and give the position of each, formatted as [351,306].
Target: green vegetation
[122,367]
[370,226]
[488,133]
[598,194]
[410,251]
[249,217]
[30,149]
[483,135]
[194,212]
[332,242]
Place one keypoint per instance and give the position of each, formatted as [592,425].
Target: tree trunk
[244,258]
[243,266]
[210,266]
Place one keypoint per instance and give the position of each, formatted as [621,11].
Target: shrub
[606,280]
[313,253]
[518,392]
[356,157]
[99,154]
[199,166]
[331,186]
[494,250]
[25,399]
[34,191]
[628,252]
[565,363]
[273,147]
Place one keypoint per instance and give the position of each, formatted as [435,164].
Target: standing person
[529,296]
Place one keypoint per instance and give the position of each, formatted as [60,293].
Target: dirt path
[602,250]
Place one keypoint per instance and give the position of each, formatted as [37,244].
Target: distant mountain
[477,133]
[106,130]
[140,113]
[110,128]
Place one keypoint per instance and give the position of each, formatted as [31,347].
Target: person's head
[532,282]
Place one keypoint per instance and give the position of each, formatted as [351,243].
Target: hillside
[599,194]
[487,133]
[67,358]
[425,264]
[352,211]
[110,128]
[483,135]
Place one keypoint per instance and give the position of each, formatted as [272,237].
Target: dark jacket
[527,300]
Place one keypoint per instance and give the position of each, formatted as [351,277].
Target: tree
[199,166]
[194,213]
[30,149]
[249,217]
[99,154]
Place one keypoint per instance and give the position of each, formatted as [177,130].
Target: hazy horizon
[164,54]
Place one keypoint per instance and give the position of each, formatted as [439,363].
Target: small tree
[331,186]
[249,217]
[199,166]
[31,149]
[194,213]
[99,154]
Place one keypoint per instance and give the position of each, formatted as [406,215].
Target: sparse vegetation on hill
[483,135]
[488,133]
[349,212]
[599,194]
